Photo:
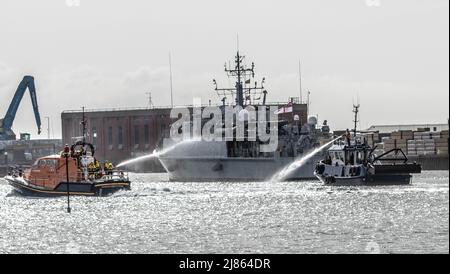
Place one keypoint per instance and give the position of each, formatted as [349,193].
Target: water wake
[282,174]
[152,155]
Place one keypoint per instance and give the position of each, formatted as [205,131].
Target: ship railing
[115,174]
[97,175]
[158,107]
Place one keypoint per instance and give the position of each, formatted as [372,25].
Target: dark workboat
[353,162]
[74,172]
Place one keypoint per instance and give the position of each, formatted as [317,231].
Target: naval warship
[243,159]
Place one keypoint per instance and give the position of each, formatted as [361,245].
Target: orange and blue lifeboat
[48,177]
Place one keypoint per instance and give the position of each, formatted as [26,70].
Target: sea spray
[282,174]
[152,155]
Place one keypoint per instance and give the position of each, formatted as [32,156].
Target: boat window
[341,156]
[359,157]
[46,163]
[51,163]
[337,155]
[36,163]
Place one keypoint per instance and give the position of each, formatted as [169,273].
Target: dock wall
[431,162]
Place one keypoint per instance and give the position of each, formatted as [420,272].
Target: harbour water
[158,216]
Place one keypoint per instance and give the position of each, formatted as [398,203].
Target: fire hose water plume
[152,155]
[282,174]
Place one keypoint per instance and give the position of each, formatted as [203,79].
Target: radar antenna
[246,91]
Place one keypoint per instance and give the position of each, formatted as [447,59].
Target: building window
[146,135]
[110,137]
[136,136]
[120,137]
[94,136]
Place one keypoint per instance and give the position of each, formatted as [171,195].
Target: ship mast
[240,95]
[243,88]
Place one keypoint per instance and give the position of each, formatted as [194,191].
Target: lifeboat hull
[88,188]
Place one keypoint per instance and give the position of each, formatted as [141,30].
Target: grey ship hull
[193,161]
[235,169]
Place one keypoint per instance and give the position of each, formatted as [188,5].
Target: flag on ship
[285,109]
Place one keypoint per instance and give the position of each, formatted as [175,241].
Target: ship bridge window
[337,155]
[360,157]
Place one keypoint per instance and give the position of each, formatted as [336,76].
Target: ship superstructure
[247,157]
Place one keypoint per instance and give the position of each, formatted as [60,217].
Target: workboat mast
[83,123]
[356,111]
[246,93]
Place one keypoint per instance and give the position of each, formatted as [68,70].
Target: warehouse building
[118,134]
[383,129]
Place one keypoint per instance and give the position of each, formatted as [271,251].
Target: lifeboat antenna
[171,84]
[83,123]
[300,80]
[356,111]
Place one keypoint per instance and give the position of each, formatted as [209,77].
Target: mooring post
[67,155]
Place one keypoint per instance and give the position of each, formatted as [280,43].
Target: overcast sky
[393,54]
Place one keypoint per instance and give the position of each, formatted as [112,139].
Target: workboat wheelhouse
[353,162]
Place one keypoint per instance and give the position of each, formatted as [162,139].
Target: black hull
[370,180]
[103,188]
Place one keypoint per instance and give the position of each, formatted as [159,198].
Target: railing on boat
[45,182]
